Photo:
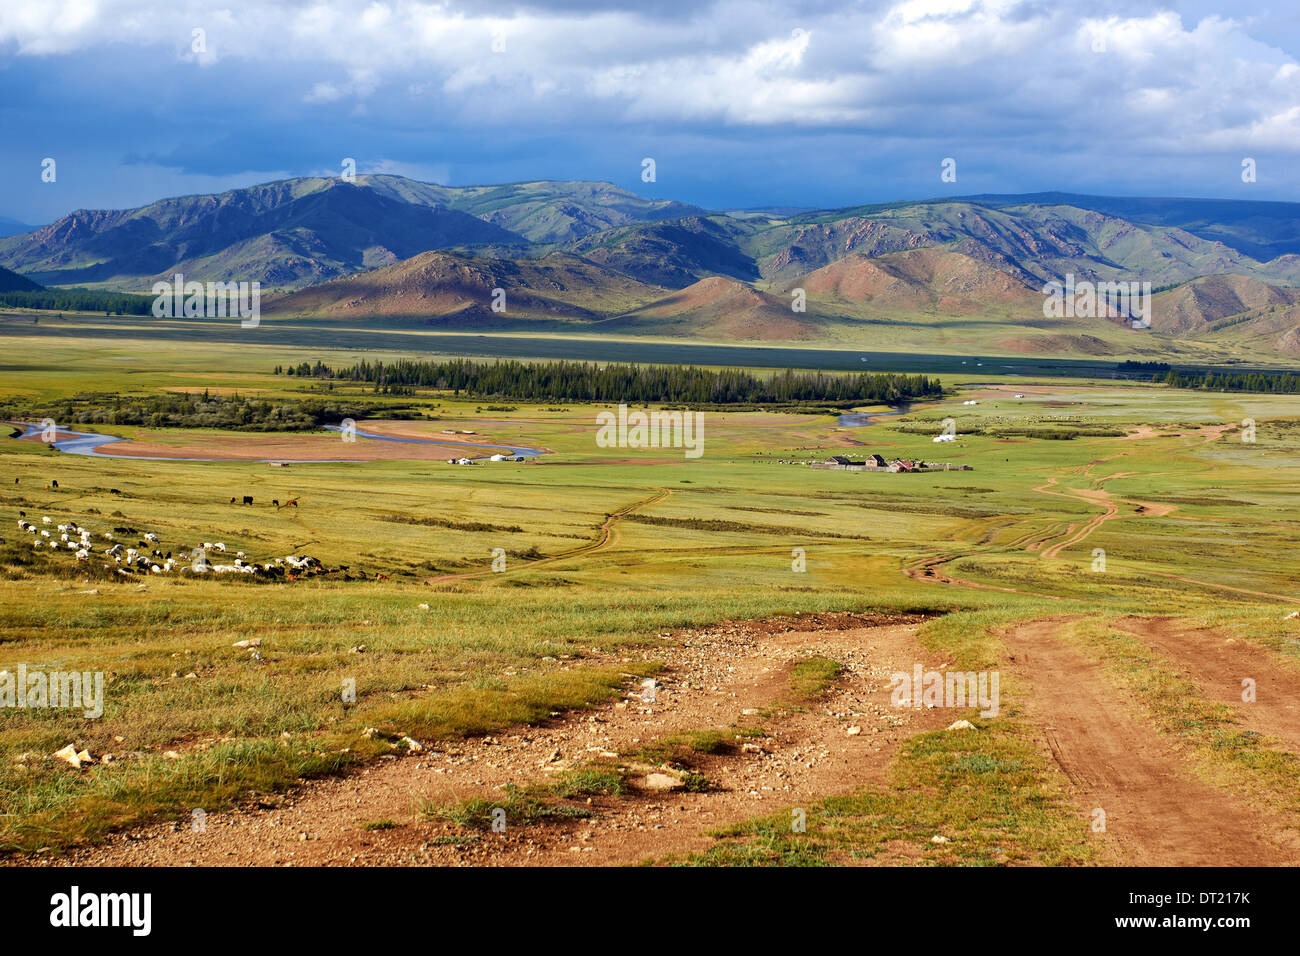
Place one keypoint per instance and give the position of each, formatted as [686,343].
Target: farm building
[878,463]
[842,463]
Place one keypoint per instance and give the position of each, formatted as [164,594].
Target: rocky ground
[732,677]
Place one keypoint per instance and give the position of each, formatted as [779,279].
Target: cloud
[1016,90]
[743,62]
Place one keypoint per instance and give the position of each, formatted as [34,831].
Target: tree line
[233,412]
[78,300]
[1280,383]
[583,381]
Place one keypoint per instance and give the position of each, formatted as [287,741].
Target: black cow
[248,499]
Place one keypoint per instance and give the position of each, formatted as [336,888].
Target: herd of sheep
[134,560]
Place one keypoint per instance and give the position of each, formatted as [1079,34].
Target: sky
[740,103]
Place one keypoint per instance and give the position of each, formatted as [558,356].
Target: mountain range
[964,273]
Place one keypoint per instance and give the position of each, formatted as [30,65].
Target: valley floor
[628,655]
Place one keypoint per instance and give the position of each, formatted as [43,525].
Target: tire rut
[1157,813]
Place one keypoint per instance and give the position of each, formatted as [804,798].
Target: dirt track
[713,677]
[1217,662]
[1110,757]
[1157,812]
[606,536]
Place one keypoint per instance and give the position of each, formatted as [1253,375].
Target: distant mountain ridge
[965,271]
[12,227]
[1261,229]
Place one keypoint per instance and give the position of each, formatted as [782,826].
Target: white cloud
[926,67]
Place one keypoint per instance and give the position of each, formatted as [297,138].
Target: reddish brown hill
[920,280]
[1194,305]
[444,284]
[722,308]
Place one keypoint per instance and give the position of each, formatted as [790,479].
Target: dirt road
[1157,813]
[1218,663]
[725,675]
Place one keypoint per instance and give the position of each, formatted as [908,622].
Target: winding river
[99,445]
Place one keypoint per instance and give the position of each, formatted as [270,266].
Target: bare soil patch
[1218,662]
[1157,812]
[728,675]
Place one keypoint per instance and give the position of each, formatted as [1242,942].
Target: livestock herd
[144,558]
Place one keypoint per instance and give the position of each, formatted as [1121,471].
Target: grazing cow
[248,499]
[55,483]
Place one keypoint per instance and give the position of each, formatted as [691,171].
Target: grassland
[440,645]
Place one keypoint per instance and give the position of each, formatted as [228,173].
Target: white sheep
[83,554]
[46,520]
[220,547]
[44,533]
[150,536]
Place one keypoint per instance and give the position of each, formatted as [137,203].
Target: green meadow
[605,550]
